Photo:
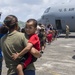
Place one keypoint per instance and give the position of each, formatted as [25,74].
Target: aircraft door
[58,24]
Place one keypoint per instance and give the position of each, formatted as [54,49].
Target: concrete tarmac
[58,58]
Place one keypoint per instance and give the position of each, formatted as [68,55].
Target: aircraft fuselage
[59,16]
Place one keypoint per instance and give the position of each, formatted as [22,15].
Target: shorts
[27,60]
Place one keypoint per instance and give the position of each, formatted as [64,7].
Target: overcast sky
[25,9]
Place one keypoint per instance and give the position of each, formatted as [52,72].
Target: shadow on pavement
[71,35]
[68,37]
[73,57]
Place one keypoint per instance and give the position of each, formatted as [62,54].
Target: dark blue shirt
[0,48]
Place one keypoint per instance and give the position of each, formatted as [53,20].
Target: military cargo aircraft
[59,16]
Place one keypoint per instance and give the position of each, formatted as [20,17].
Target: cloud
[19,2]
[25,9]
[34,2]
[19,8]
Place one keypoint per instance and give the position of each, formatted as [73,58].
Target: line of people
[49,33]
[22,48]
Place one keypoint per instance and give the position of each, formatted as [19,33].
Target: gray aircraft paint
[65,13]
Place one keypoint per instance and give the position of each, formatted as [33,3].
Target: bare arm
[35,52]
[26,49]
[32,50]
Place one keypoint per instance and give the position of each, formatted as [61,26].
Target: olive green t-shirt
[12,43]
